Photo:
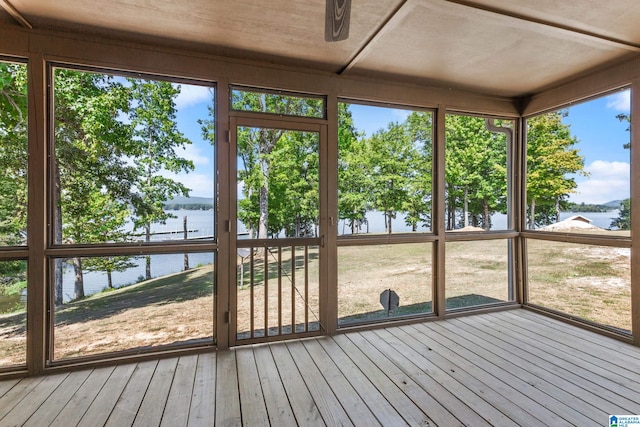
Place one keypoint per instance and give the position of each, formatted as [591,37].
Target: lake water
[201,222]
[498,221]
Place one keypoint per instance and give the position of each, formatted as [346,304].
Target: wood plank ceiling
[496,47]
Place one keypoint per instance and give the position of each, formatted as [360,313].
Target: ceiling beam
[15,13]
[386,25]
[612,41]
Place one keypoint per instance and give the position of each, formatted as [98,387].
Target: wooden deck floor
[501,369]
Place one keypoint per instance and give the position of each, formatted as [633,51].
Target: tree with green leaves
[105,222]
[91,149]
[475,171]
[391,157]
[354,177]
[13,154]
[295,176]
[154,147]
[551,159]
[623,221]
[257,148]
[13,179]
[417,206]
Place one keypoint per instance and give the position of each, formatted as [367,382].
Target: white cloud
[620,101]
[607,181]
[193,153]
[191,95]
[199,185]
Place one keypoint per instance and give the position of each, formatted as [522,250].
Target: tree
[156,138]
[354,177]
[13,179]
[105,223]
[623,221]
[626,118]
[419,127]
[295,176]
[257,148]
[391,158]
[13,153]
[475,171]
[551,159]
[91,149]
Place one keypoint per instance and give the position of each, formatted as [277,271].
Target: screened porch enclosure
[188,191]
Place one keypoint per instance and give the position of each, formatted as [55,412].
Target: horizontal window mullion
[139,249]
[455,236]
[387,239]
[602,240]
[22,253]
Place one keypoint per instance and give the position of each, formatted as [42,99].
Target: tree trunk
[487,220]
[532,215]
[186,255]
[465,208]
[59,263]
[78,288]
[389,218]
[557,210]
[147,227]
[147,238]
[263,226]
[109,279]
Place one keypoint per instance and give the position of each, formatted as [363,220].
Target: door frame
[301,124]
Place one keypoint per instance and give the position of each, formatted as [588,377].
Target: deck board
[519,384]
[21,413]
[506,368]
[77,406]
[130,401]
[104,403]
[157,393]
[180,394]
[203,401]
[302,404]
[371,397]
[275,397]
[328,403]
[591,368]
[254,409]
[58,399]
[568,391]
[227,393]
[497,389]
[398,392]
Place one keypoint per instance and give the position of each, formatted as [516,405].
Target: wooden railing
[277,289]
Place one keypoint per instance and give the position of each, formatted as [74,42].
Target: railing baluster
[275,324]
[252,282]
[306,288]
[266,291]
[293,289]
[280,290]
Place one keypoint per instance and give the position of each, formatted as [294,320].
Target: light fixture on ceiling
[336,26]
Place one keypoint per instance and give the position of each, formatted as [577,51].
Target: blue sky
[192,105]
[600,134]
[601,138]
